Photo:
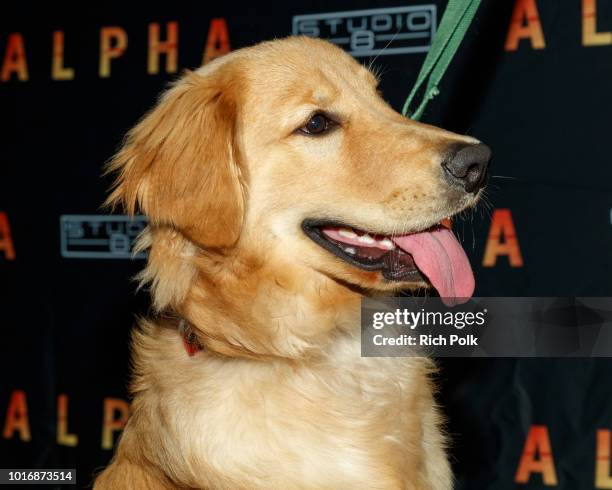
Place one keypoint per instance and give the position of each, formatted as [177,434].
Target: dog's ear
[180,164]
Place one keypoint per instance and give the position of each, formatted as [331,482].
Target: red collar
[190,340]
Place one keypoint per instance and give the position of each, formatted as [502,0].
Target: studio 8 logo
[396,30]
[100,236]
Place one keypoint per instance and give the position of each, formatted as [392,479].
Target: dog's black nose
[468,167]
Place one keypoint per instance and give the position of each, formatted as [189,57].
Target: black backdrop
[65,317]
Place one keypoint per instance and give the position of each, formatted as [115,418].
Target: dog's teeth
[386,243]
[350,250]
[346,233]
[366,239]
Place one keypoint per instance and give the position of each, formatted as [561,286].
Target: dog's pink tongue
[441,258]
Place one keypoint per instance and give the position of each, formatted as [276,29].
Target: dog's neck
[247,304]
[270,319]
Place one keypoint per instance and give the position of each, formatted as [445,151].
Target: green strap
[453,26]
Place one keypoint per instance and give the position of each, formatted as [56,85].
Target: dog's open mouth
[433,255]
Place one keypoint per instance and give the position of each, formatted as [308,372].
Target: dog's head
[280,168]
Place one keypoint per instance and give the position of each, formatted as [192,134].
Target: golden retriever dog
[281,189]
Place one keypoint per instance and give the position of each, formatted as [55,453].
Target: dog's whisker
[386,46]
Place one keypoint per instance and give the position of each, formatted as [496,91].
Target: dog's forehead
[295,77]
[299,56]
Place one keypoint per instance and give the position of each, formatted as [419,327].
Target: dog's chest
[333,422]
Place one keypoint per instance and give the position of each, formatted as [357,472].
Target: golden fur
[279,398]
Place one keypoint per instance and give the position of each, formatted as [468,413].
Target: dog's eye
[317,124]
